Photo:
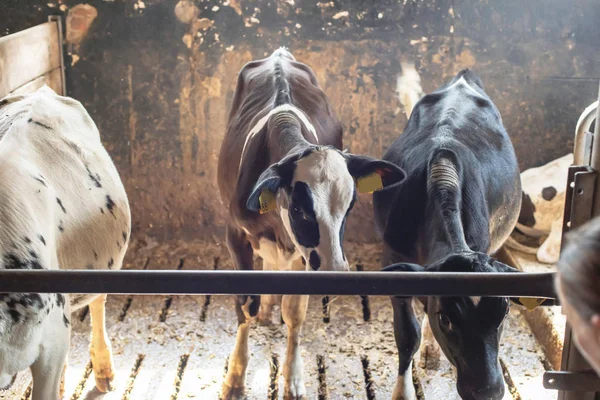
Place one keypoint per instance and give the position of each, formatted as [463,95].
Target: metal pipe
[583,125]
[595,162]
[279,282]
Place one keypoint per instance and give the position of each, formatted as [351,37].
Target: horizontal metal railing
[538,285]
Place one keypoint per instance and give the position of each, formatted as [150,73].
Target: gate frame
[576,380]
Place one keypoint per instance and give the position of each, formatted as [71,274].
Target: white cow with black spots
[63,206]
[542,208]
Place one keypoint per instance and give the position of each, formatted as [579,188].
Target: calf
[281,153]
[63,206]
[543,208]
[458,204]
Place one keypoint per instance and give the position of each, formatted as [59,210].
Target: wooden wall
[158,77]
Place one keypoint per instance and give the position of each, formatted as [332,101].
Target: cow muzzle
[481,389]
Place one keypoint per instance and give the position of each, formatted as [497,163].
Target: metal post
[61,50]
[596,159]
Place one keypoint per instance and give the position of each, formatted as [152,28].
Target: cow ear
[372,174]
[403,267]
[262,197]
[531,303]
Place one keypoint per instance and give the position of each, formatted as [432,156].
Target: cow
[63,206]
[542,208]
[458,204]
[288,188]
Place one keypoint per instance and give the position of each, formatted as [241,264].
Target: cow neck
[285,135]
[289,121]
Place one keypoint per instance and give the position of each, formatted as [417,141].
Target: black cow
[281,153]
[458,204]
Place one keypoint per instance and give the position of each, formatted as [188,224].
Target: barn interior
[158,78]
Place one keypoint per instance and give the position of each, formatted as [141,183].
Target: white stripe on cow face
[314,210]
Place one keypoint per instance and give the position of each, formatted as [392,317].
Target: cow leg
[408,336]
[246,308]
[100,348]
[47,370]
[430,350]
[265,314]
[293,311]
[549,251]
[406,332]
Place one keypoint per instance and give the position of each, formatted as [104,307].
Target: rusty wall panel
[158,77]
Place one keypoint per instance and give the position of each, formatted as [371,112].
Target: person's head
[578,288]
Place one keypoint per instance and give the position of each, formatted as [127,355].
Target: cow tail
[444,191]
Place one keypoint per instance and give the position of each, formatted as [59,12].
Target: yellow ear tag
[267,201]
[530,303]
[369,183]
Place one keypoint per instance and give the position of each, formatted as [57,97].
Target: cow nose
[475,390]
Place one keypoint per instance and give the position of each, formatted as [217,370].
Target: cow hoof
[232,393]
[295,390]
[404,388]
[104,382]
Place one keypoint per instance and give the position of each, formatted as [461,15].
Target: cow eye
[296,211]
[444,321]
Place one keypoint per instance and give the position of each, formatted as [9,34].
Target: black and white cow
[63,206]
[282,153]
[458,204]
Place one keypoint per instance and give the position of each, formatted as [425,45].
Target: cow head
[468,329]
[315,191]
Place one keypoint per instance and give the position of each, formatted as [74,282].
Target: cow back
[461,118]
[258,90]
[64,203]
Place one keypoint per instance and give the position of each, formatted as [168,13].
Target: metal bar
[539,285]
[586,381]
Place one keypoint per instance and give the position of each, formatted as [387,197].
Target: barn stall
[158,78]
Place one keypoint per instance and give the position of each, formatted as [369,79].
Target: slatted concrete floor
[177,348]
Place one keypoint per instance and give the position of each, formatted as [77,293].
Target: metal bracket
[582,201]
[585,381]
[579,197]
